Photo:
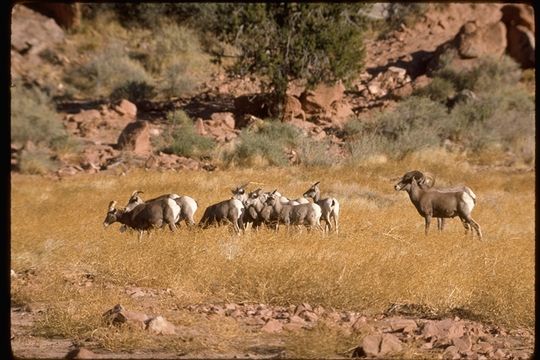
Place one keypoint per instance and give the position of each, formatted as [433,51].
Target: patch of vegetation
[182,139]
[33,118]
[265,146]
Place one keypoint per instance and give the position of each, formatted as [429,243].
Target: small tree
[281,42]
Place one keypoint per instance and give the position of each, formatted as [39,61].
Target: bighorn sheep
[144,217]
[440,203]
[302,214]
[227,211]
[187,206]
[329,206]
[255,204]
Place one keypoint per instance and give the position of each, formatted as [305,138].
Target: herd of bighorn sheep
[271,209]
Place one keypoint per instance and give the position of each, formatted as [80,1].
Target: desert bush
[182,139]
[265,146]
[33,118]
[440,89]
[134,91]
[315,153]
[37,162]
[110,70]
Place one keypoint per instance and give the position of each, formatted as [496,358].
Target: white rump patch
[174,196]
[469,201]
[175,209]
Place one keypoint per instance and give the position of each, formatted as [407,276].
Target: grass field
[380,257]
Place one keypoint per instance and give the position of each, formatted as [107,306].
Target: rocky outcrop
[519,21]
[66,15]
[136,138]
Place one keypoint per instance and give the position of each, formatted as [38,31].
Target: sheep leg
[140,235]
[476,227]
[335,223]
[428,222]
[440,224]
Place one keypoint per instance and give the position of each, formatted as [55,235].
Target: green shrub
[37,162]
[183,140]
[33,118]
[440,89]
[108,71]
[268,144]
[134,91]
[315,153]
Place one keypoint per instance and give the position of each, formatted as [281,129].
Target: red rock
[292,108]
[451,353]
[127,108]
[135,137]
[322,97]
[118,315]
[309,316]
[482,347]
[371,344]
[225,119]
[463,343]
[293,327]
[405,325]
[390,344]
[272,326]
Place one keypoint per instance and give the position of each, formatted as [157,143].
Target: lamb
[227,211]
[301,214]
[329,206]
[441,204]
[187,206]
[143,217]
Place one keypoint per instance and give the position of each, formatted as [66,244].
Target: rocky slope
[117,136]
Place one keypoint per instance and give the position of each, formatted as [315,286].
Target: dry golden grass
[381,256]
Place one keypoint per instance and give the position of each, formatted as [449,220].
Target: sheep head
[424,180]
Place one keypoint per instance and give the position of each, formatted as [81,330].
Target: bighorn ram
[144,217]
[227,211]
[329,206]
[301,214]
[444,203]
[187,206]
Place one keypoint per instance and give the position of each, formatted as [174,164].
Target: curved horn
[317,183]
[137,192]
[428,180]
[112,204]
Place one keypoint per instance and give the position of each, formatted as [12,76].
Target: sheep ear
[273,192]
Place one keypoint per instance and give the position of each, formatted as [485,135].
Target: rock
[292,108]
[404,325]
[81,353]
[403,92]
[135,137]
[370,344]
[159,325]
[272,326]
[519,21]
[65,15]
[444,330]
[309,316]
[375,89]
[293,327]
[399,72]
[35,33]
[473,41]
[302,307]
[125,107]
[118,315]
[222,119]
[452,353]
[297,319]
[421,81]
[463,343]
[200,127]
[322,97]
[482,347]
[390,344]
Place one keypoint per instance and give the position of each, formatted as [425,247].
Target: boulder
[443,331]
[222,119]
[272,326]
[127,108]
[320,99]
[119,315]
[381,345]
[292,108]
[135,137]
[519,21]
[160,326]
[65,15]
[473,41]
